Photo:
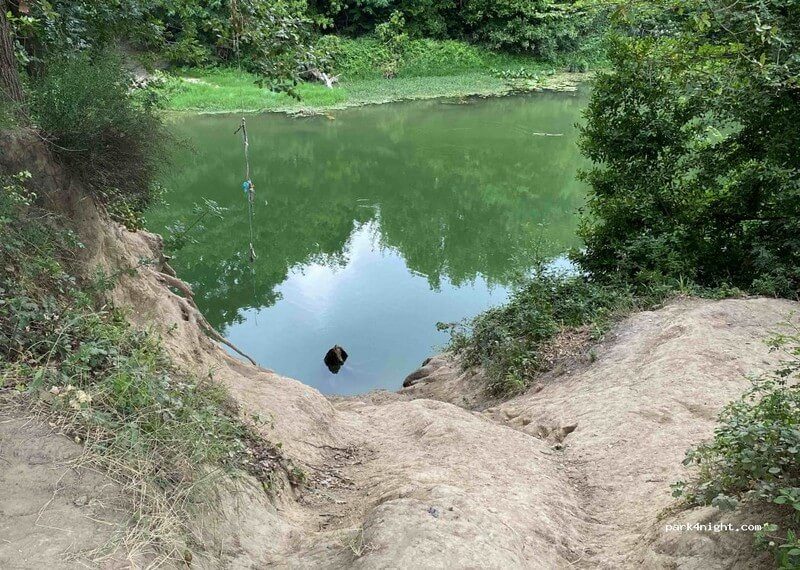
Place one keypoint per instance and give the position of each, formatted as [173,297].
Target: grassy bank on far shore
[224,90]
[429,69]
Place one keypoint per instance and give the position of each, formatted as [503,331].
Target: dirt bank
[573,474]
[622,420]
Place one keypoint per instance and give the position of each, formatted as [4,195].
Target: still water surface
[372,225]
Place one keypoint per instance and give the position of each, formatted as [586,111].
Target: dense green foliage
[271,38]
[281,40]
[106,384]
[67,26]
[755,454]
[268,37]
[694,131]
[542,28]
[112,140]
[426,18]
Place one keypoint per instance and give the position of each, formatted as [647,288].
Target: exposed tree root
[191,312]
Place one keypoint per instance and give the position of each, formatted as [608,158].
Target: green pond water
[371,225]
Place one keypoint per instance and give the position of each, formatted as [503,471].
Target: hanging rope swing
[248,186]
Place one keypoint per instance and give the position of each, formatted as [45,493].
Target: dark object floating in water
[335,358]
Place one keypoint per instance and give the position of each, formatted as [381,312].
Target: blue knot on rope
[246,185]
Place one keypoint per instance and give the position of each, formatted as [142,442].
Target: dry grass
[157,521]
[355,542]
[164,493]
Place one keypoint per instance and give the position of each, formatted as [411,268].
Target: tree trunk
[10,84]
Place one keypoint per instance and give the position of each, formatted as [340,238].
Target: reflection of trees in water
[457,191]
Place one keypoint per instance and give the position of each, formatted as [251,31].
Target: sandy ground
[53,512]
[574,474]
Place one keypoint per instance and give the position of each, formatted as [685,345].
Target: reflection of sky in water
[383,314]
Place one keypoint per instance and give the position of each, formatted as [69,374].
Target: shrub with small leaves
[394,38]
[510,342]
[112,139]
[755,454]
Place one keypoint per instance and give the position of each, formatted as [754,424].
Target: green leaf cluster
[272,38]
[694,134]
[114,140]
[542,28]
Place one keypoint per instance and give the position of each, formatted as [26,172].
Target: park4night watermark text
[715,527]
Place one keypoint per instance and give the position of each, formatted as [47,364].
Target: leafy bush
[544,28]
[539,27]
[694,134]
[511,342]
[755,454]
[429,18]
[65,26]
[426,18]
[189,50]
[393,38]
[113,141]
